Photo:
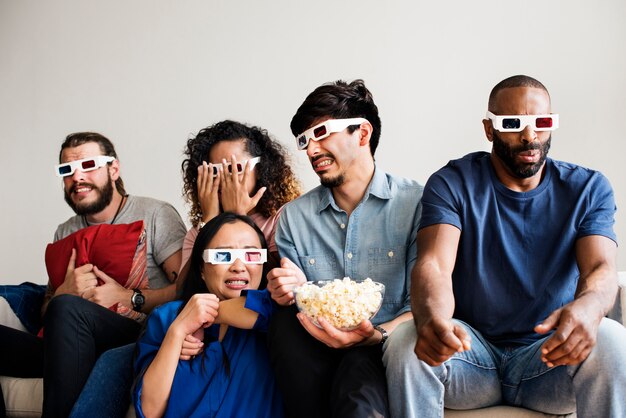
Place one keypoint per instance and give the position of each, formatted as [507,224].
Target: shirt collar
[379,187]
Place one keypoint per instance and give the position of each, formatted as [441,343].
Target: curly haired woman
[233,167]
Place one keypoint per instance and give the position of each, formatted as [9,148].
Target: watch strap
[383,333]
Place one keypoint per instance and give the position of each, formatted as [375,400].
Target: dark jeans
[319,381]
[76,332]
[107,391]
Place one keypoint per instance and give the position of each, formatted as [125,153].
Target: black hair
[194,283]
[338,100]
[273,171]
[514,81]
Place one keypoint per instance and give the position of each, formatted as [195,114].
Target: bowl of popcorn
[344,303]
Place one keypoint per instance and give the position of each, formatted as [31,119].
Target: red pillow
[118,250]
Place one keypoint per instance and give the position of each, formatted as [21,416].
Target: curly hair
[272,171]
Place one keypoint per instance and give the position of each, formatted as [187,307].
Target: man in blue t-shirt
[515,273]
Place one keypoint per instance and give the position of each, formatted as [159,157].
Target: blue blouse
[232,378]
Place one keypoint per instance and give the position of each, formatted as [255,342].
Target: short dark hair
[338,100]
[514,81]
[273,171]
[106,147]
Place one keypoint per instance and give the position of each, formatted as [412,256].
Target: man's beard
[508,153]
[333,182]
[105,196]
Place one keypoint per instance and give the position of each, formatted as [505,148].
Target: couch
[23,397]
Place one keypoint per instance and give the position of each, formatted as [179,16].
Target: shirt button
[390,253]
[312,261]
[342,226]
[350,256]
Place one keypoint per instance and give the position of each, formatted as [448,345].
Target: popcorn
[344,303]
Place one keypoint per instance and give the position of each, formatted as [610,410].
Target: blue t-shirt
[232,378]
[376,241]
[516,259]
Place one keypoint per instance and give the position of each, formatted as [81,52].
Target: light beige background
[147,74]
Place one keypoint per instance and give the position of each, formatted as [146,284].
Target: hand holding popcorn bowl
[343,303]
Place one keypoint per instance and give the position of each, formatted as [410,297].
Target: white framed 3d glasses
[229,255]
[517,123]
[240,165]
[324,129]
[86,164]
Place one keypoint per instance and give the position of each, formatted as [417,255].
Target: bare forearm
[599,286]
[597,283]
[431,293]
[156,297]
[157,381]
[233,312]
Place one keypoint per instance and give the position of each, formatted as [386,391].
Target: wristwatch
[138,299]
[383,333]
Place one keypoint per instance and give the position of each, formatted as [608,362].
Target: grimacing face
[87,193]
[333,157]
[226,281]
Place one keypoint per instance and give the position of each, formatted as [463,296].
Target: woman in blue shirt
[220,304]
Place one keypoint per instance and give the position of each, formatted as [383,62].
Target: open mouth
[236,284]
[322,164]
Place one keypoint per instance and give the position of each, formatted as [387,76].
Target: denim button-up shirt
[376,241]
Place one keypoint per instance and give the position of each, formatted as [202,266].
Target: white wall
[148,73]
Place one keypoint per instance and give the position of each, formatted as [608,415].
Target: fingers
[103,276]
[72,263]
[550,323]
[257,196]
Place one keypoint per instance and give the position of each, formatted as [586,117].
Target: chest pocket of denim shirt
[319,266]
[387,265]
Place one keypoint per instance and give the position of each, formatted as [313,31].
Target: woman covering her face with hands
[221,306]
[232,167]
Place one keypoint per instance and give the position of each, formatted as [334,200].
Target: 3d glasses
[229,255]
[86,164]
[324,129]
[240,165]
[517,123]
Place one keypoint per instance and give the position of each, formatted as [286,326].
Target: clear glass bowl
[342,302]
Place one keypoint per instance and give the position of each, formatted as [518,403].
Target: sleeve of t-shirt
[600,218]
[260,301]
[169,232]
[439,203]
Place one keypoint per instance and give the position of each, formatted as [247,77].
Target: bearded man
[514,275]
[78,325]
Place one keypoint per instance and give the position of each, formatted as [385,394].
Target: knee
[608,353]
[399,348]
[63,306]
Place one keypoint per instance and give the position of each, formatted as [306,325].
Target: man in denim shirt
[361,222]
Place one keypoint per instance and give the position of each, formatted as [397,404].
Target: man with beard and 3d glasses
[78,327]
[515,273]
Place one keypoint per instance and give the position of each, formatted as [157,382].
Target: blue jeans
[490,375]
[107,391]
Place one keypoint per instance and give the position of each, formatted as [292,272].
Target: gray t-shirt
[165,231]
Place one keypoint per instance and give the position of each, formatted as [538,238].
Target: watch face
[138,300]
